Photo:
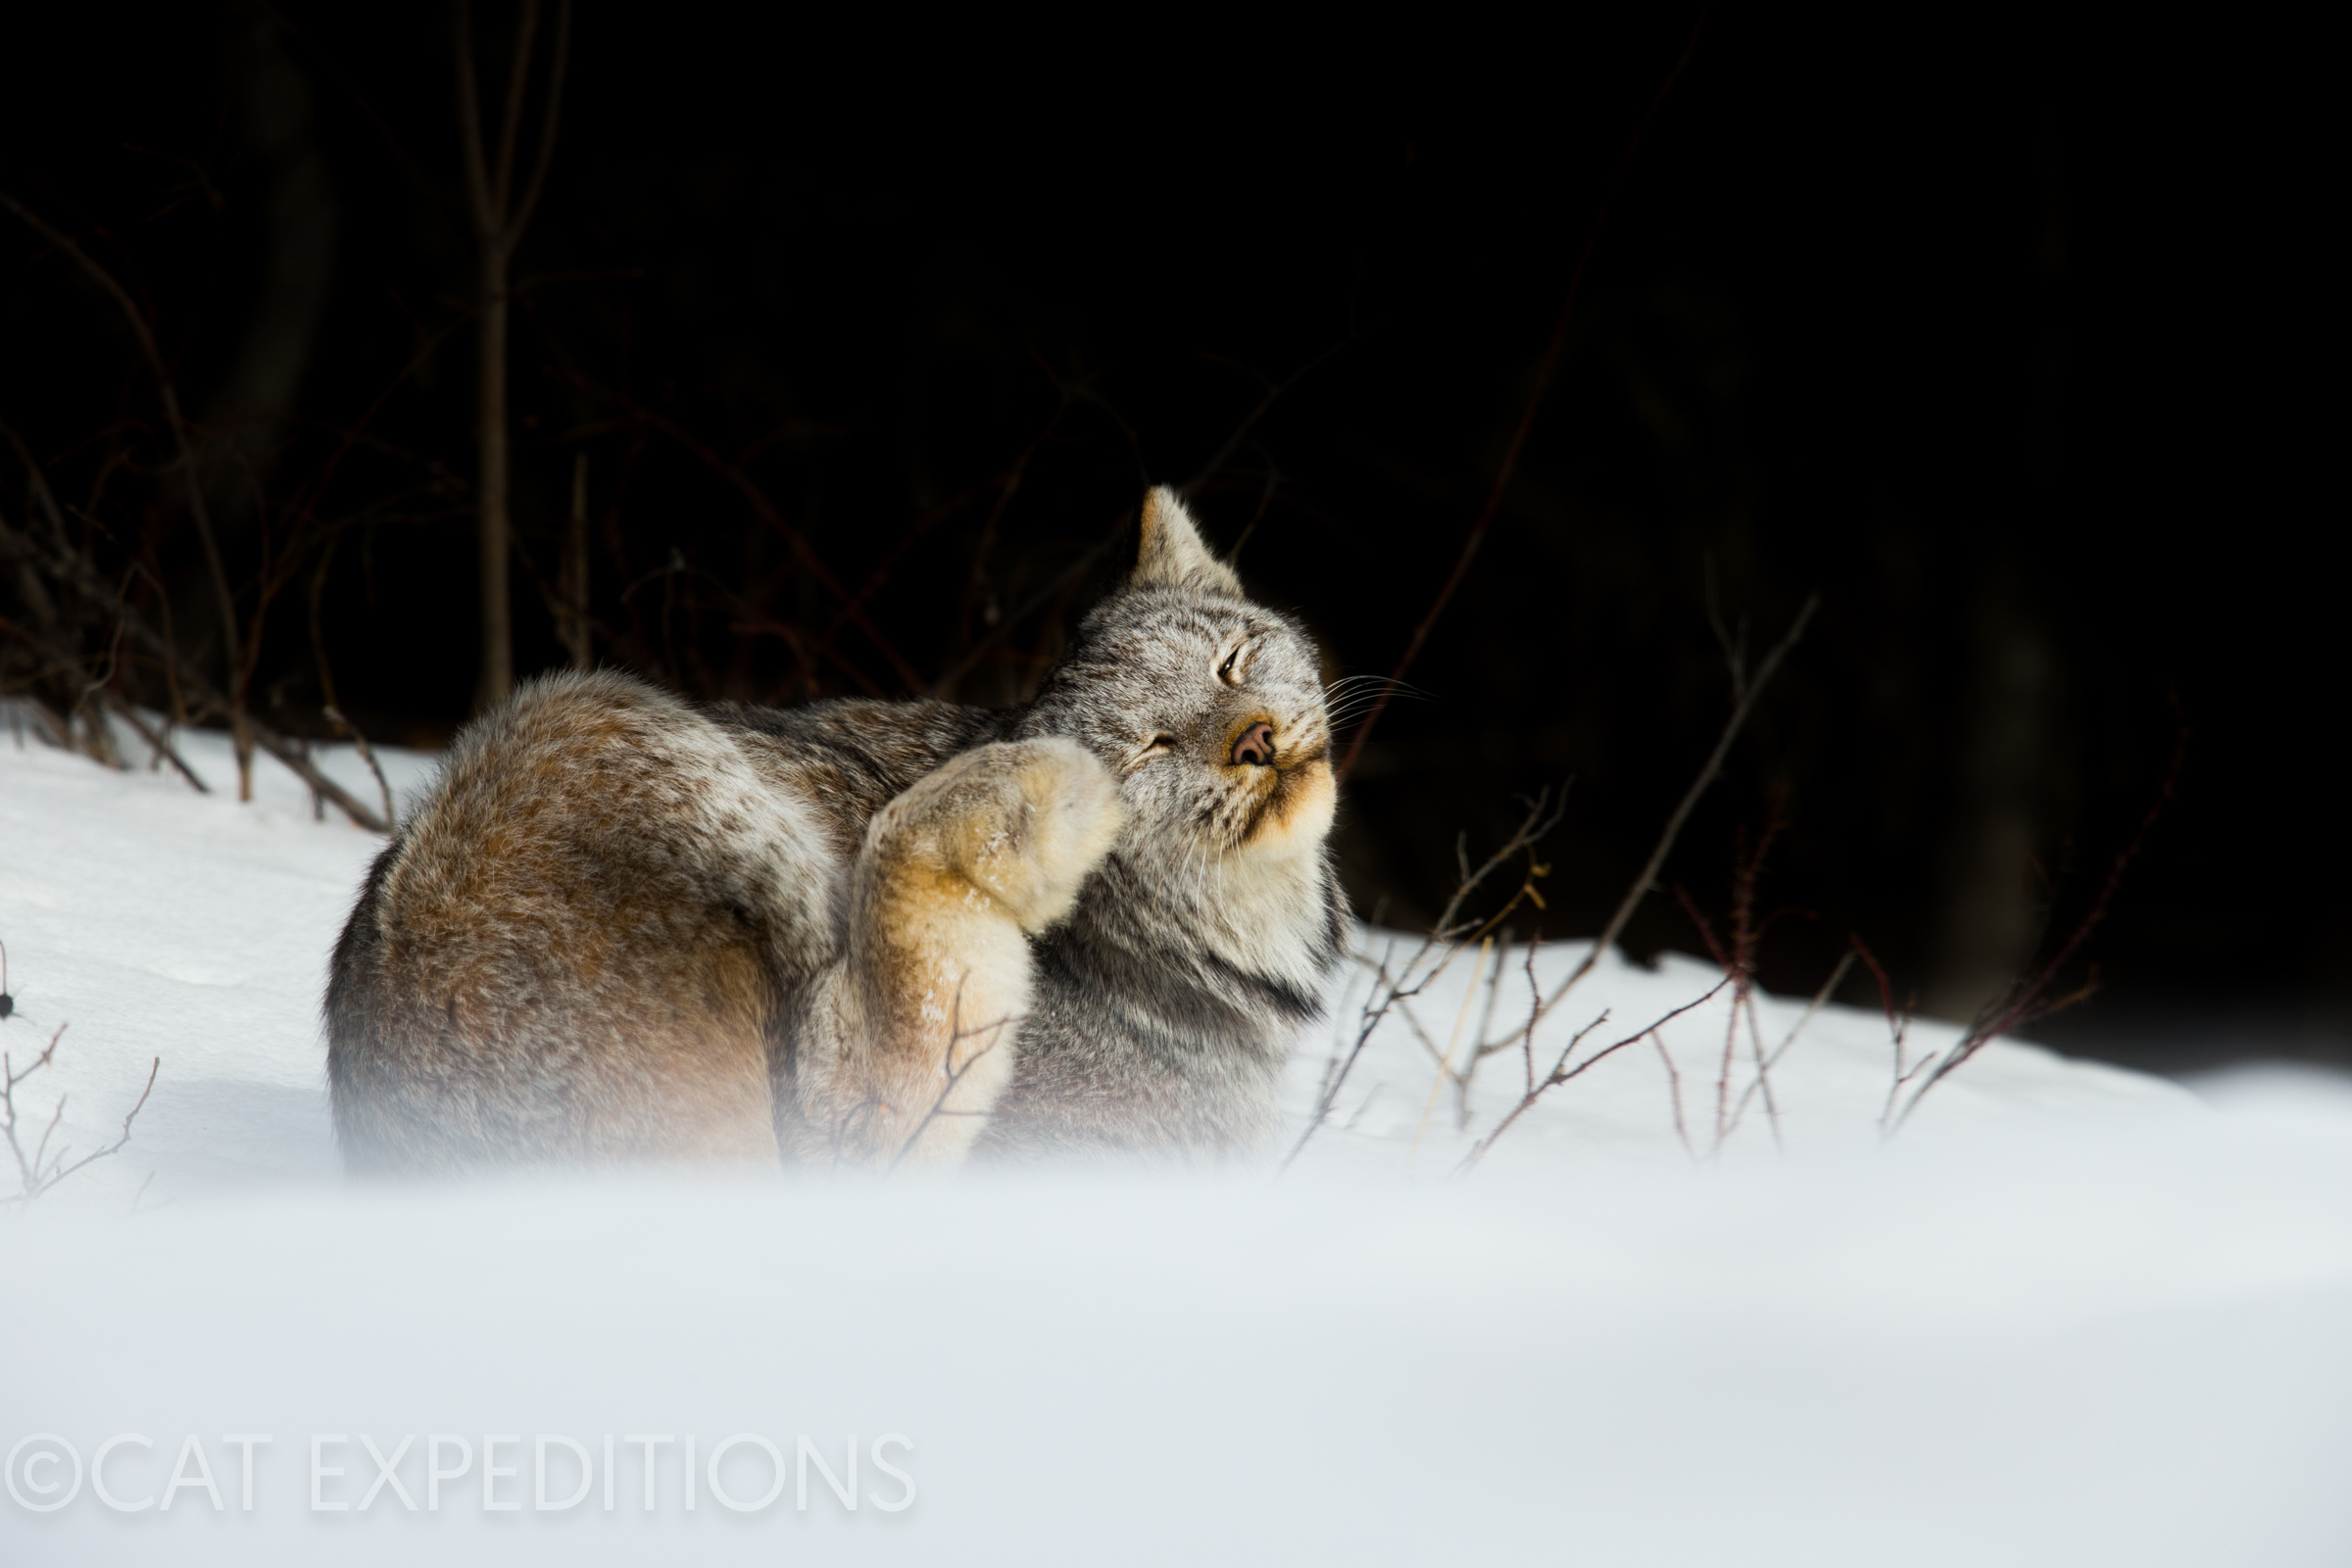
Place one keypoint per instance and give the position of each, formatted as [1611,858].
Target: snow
[2068,1316]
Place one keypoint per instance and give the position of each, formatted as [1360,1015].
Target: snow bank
[2071,1315]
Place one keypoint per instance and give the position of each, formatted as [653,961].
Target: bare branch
[1005,483]
[159,744]
[1265,499]
[547,129]
[331,710]
[955,1073]
[43,497]
[1561,1072]
[1735,649]
[1763,1079]
[61,1170]
[1486,947]
[1535,399]
[470,121]
[1387,992]
[510,120]
[1820,1000]
[1648,880]
[1446,939]
[325,62]
[37,1172]
[76,573]
[1079,567]
[765,510]
[1674,1084]
[224,603]
[1233,443]
[2024,1000]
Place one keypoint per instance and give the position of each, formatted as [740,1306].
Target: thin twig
[77,574]
[1265,499]
[1534,398]
[1763,1078]
[159,744]
[1899,1029]
[546,156]
[1561,1072]
[1674,1085]
[1648,880]
[1486,1019]
[392,143]
[1536,1088]
[38,1173]
[955,1074]
[1448,937]
[1486,947]
[1420,1032]
[1387,992]
[1820,1000]
[2024,1000]
[944,688]
[333,711]
[1233,443]
[224,602]
[765,510]
[1008,486]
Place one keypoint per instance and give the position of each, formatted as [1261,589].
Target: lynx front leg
[928,1000]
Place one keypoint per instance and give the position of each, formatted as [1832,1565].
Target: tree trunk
[573,584]
[246,415]
[499,219]
[1991,920]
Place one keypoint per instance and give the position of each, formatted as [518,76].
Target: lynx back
[622,928]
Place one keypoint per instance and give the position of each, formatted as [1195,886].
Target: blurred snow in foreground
[2069,1315]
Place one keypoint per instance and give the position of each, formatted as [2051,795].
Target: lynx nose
[1255,748]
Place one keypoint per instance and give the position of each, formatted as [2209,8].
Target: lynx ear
[1171,554]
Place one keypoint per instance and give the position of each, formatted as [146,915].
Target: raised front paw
[1022,821]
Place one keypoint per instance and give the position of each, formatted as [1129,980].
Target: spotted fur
[622,928]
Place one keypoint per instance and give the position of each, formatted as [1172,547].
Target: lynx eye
[1235,665]
[1162,742]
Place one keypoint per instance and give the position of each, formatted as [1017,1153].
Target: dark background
[2016,338]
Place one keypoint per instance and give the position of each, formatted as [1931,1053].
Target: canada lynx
[623,928]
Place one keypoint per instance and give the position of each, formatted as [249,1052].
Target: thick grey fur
[1161,1002]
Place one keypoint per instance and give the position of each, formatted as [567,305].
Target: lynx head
[1207,709]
